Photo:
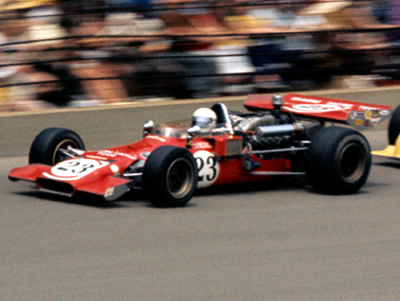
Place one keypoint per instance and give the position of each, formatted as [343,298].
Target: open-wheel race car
[393,149]
[278,136]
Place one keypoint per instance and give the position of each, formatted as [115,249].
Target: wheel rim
[180,178]
[352,162]
[63,145]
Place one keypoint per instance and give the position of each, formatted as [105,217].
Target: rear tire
[170,176]
[394,126]
[338,161]
[45,148]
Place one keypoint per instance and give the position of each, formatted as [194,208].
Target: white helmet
[205,118]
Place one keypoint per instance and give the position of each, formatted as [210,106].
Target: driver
[206,119]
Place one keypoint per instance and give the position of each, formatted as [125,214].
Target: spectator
[26,84]
[192,32]
[265,52]
[392,17]
[100,79]
[349,46]
[110,46]
[52,52]
[143,7]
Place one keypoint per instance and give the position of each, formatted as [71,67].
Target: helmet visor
[202,122]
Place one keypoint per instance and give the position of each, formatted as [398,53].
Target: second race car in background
[393,150]
[277,137]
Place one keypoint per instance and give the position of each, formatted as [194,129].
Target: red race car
[279,136]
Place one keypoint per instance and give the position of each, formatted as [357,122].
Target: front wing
[101,183]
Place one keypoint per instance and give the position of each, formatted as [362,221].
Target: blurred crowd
[57,53]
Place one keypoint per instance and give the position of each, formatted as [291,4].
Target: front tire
[338,161]
[170,176]
[45,148]
[394,126]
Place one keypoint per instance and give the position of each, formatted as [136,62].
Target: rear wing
[358,115]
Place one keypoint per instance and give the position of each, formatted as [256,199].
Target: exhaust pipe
[278,130]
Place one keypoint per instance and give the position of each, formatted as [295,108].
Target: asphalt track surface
[278,241]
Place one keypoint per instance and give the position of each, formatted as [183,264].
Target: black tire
[394,126]
[45,147]
[338,161]
[170,176]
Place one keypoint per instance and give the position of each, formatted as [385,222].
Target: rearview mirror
[148,128]
[192,132]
